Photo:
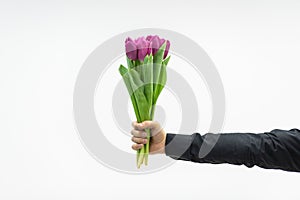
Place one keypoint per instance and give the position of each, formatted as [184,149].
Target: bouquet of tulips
[145,78]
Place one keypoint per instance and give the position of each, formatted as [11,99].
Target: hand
[157,140]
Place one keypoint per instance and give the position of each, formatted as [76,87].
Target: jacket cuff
[178,146]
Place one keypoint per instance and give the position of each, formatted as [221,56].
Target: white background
[254,44]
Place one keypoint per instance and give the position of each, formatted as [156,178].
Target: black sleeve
[278,149]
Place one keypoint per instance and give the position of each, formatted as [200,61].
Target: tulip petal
[149,38]
[167,49]
[155,44]
[142,48]
[131,50]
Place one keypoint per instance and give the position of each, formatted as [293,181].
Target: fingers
[139,134]
[145,124]
[137,146]
[139,140]
[139,143]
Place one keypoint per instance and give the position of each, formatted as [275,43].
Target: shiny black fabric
[278,149]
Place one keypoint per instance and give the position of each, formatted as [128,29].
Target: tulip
[155,44]
[142,46]
[137,49]
[131,49]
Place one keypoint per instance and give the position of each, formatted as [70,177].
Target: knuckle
[137,126]
[140,134]
[143,134]
[147,123]
[139,140]
[136,140]
[137,134]
[134,124]
[136,147]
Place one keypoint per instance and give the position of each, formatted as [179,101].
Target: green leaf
[126,78]
[159,55]
[124,73]
[130,63]
[146,59]
[123,70]
[141,68]
[157,62]
[162,81]
[137,79]
[138,91]
[166,61]
[148,81]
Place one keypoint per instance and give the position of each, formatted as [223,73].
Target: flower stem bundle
[145,78]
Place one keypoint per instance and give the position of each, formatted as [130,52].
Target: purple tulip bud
[131,49]
[142,47]
[167,49]
[149,38]
[154,44]
[137,49]
[128,39]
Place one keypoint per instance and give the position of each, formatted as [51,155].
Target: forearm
[277,149]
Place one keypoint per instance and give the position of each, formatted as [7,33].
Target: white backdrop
[254,44]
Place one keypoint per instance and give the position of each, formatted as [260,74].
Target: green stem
[141,157]
[148,131]
[152,112]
